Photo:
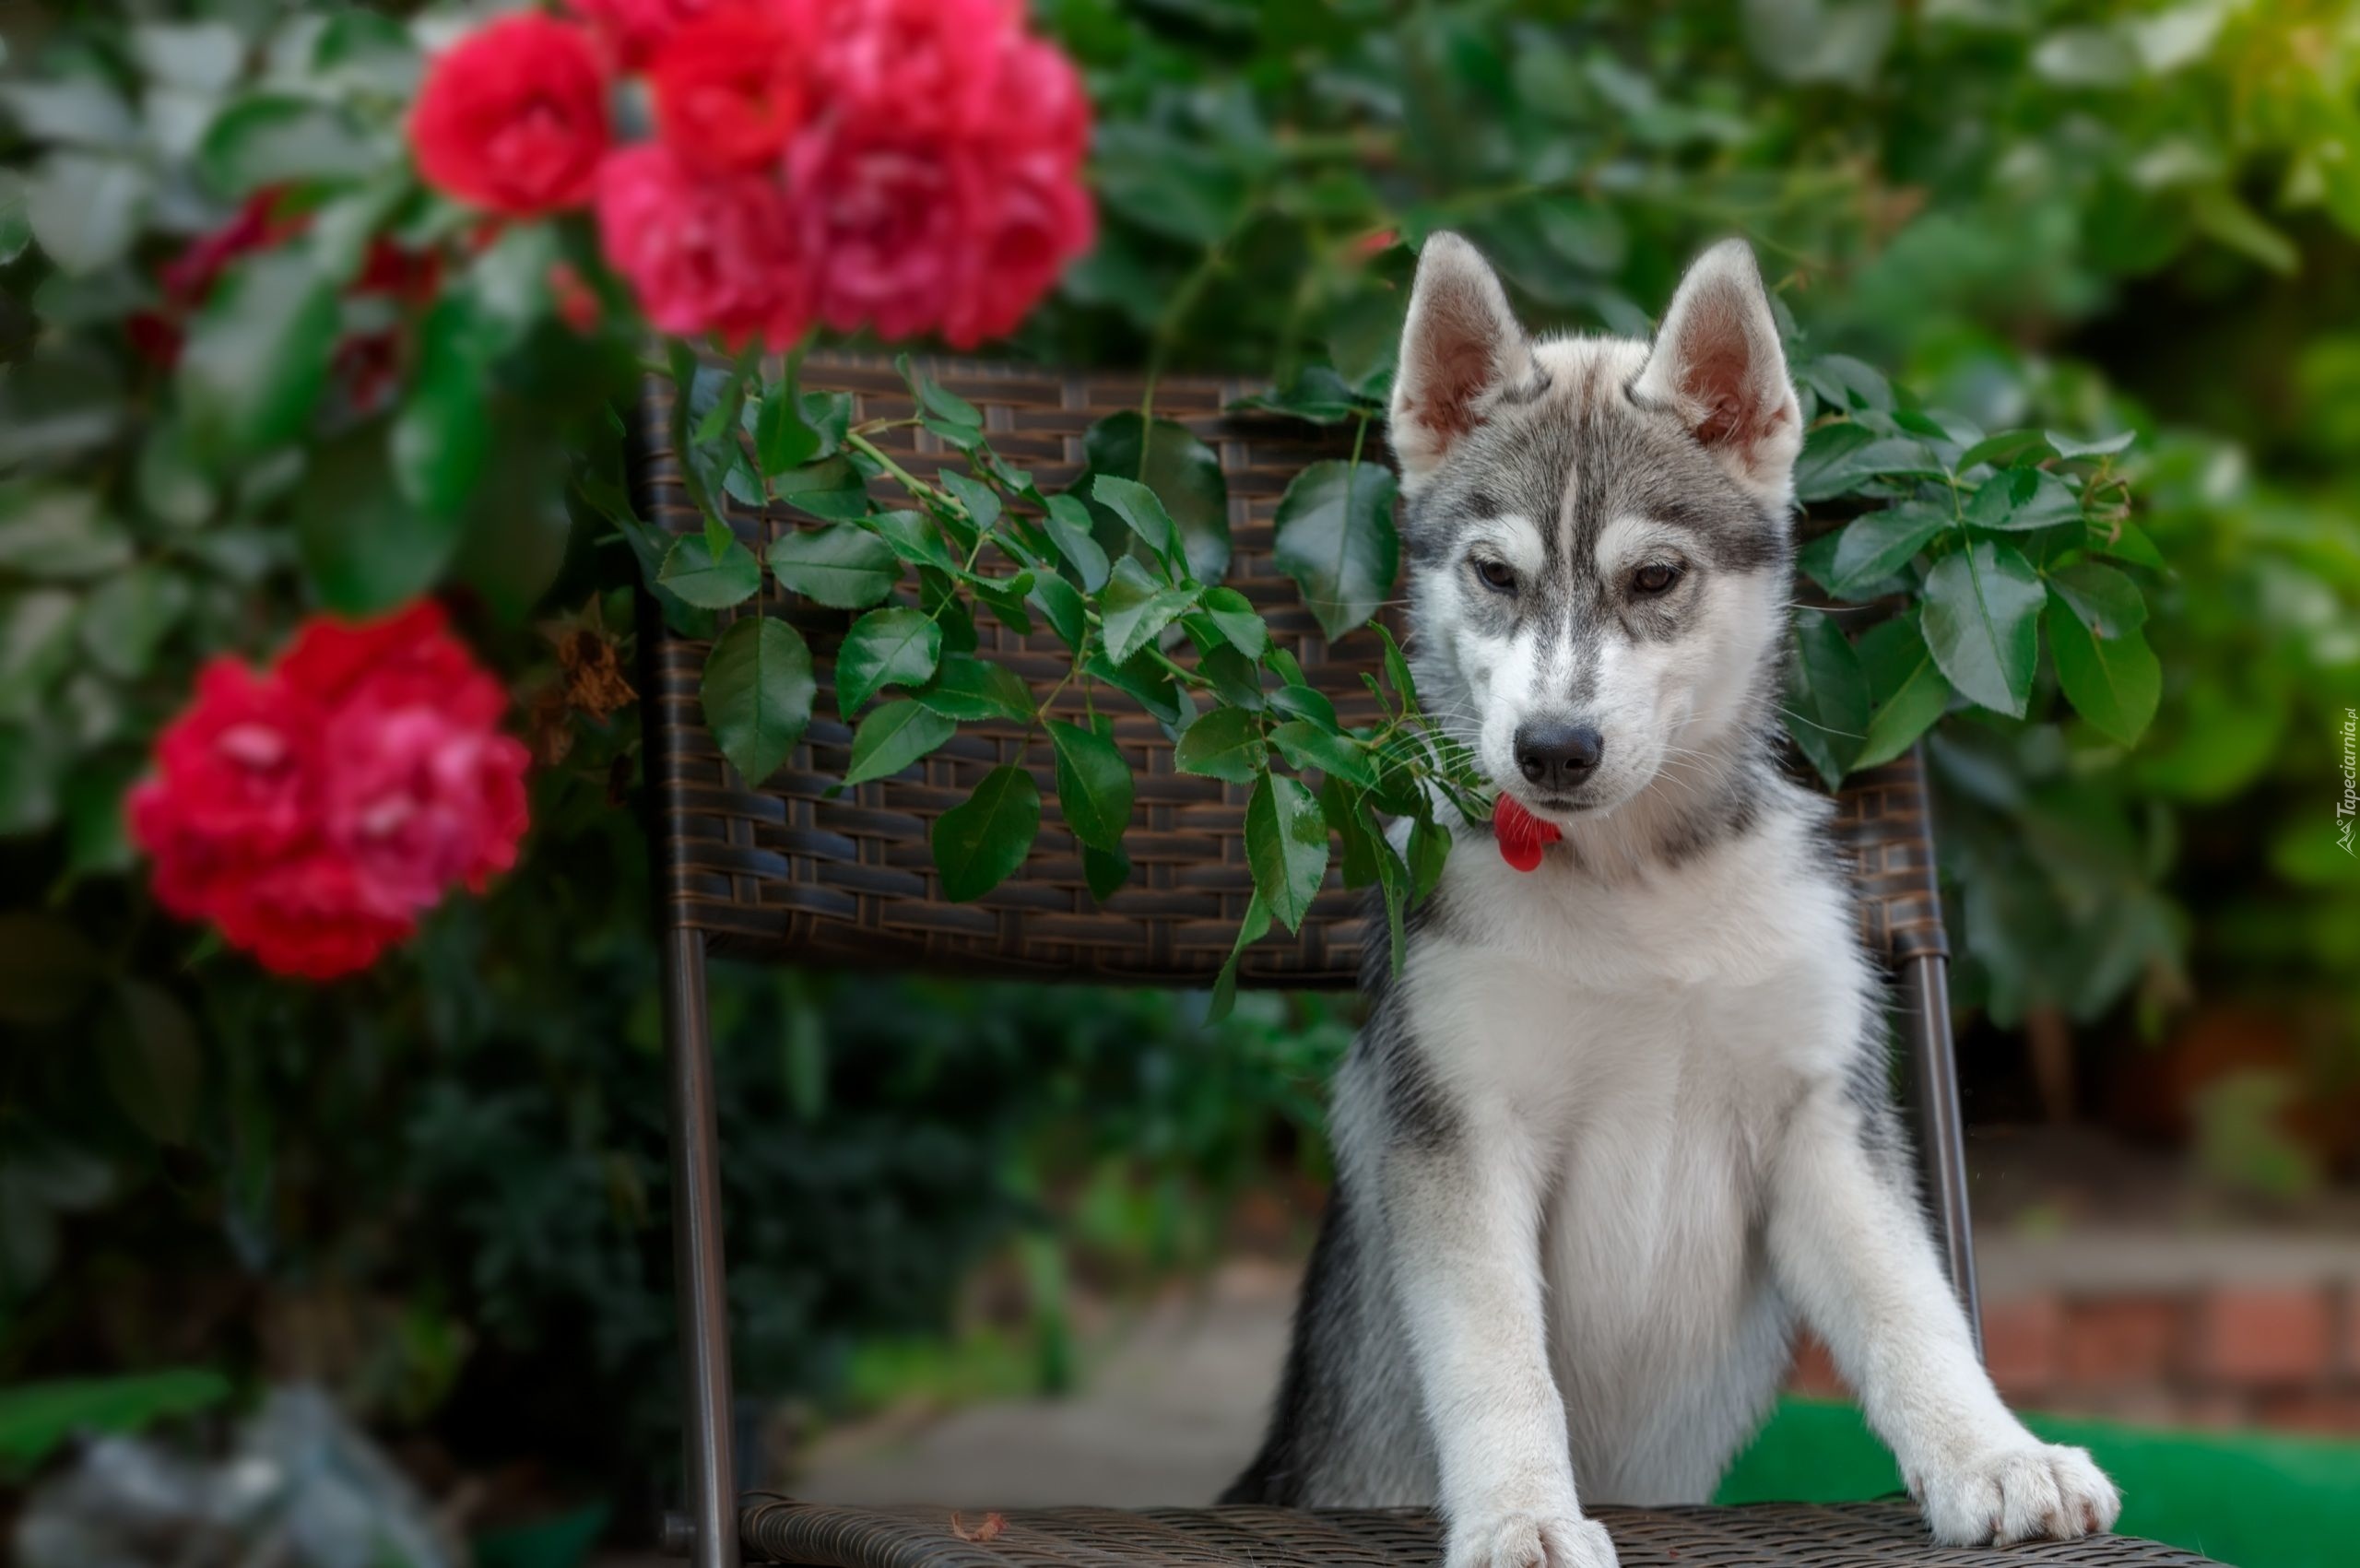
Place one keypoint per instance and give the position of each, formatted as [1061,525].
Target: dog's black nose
[1555,755]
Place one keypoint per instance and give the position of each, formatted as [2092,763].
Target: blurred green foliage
[440,1185]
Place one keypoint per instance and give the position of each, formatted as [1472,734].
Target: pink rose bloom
[705,253]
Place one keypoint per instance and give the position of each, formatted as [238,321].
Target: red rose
[926,61]
[729,85]
[514,117]
[942,190]
[705,253]
[1035,217]
[314,811]
[633,29]
[889,219]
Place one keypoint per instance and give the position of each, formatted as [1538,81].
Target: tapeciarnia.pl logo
[2349,807]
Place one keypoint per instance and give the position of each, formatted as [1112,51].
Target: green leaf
[1824,469]
[1394,879]
[783,439]
[935,397]
[1142,680]
[2123,541]
[86,210]
[691,571]
[895,646]
[1184,473]
[257,357]
[1872,548]
[758,691]
[15,225]
[1336,539]
[2007,449]
[1318,395]
[1236,679]
[830,490]
[1095,784]
[76,109]
[2104,446]
[845,567]
[978,499]
[1179,189]
[1238,620]
[1981,620]
[2103,599]
[38,1418]
[1286,844]
[148,1050]
[1060,605]
[1105,871]
[1250,930]
[1827,711]
[969,688]
[1306,703]
[1396,671]
[1137,506]
[277,140]
[1906,691]
[980,843]
[442,434]
[1429,852]
[1307,746]
[128,617]
[2113,683]
[1224,743]
[2020,499]
[36,647]
[1068,525]
[365,546]
[1135,607]
[914,536]
[892,738]
[58,534]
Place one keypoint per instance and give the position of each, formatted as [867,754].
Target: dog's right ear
[1460,345]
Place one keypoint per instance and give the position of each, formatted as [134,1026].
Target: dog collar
[1522,835]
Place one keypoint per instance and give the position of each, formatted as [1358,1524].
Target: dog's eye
[1654,577]
[1497,576]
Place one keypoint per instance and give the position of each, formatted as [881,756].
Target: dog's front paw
[2027,1491]
[1530,1540]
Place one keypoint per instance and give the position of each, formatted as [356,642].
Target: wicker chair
[793,873]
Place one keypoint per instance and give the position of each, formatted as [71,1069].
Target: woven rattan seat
[799,871]
[1762,1535]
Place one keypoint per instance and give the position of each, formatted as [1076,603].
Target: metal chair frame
[701,869]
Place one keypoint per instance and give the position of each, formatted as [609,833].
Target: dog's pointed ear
[1716,363]
[1460,345]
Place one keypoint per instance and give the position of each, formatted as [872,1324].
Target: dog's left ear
[1718,364]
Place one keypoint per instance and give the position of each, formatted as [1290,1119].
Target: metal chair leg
[1942,1138]
[707,1533]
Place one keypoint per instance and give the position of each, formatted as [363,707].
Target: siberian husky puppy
[1623,1121]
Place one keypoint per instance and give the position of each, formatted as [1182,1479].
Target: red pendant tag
[1522,835]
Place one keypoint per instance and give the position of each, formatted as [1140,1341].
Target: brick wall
[2278,1356]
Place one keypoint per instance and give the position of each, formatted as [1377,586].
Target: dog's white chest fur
[1654,1030]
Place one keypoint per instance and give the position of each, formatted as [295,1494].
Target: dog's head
[1598,529]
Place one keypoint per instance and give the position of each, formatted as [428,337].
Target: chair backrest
[799,871]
